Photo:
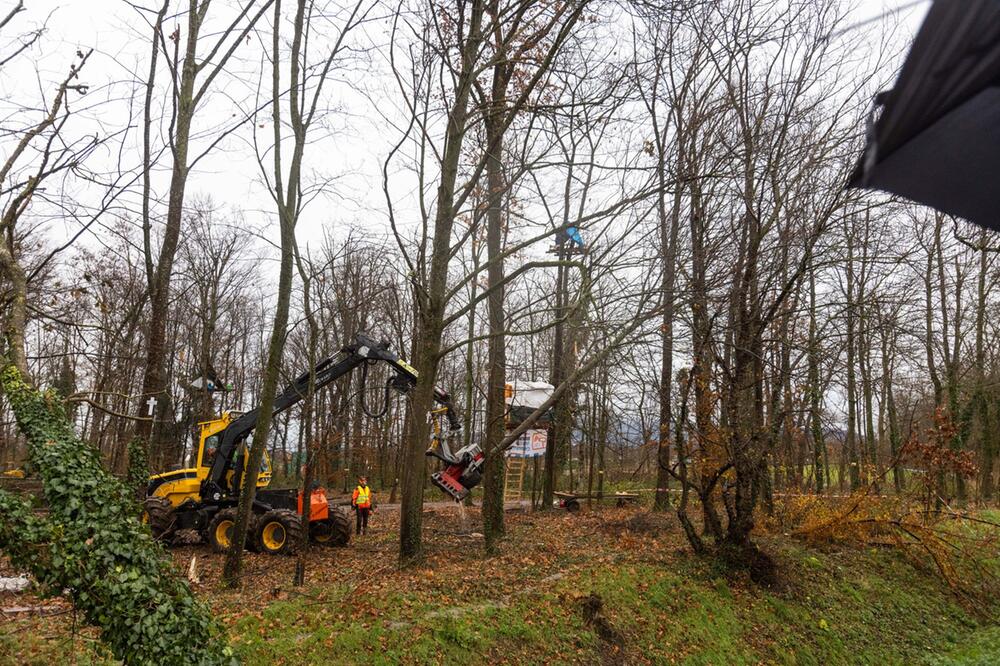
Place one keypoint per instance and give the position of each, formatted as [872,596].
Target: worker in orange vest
[362,500]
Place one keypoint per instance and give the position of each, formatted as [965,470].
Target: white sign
[530,444]
[151,403]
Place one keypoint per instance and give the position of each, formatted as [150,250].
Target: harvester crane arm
[363,350]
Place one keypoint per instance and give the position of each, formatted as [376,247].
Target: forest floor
[614,586]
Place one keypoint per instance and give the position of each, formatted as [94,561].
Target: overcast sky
[361,102]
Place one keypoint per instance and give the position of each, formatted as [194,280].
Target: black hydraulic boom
[363,350]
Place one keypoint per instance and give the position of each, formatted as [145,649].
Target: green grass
[860,608]
[408,630]
[981,648]
[863,609]
[840,607]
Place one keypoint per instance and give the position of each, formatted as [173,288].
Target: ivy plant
[137,475]
[93,547]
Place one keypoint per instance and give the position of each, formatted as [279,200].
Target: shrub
[959,547]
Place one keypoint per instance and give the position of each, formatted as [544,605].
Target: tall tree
[286,187]
[465,52]
[192,79]
[41,151]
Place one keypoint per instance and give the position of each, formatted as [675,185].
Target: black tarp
[937,139]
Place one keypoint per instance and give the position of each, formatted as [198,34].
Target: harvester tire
[221,529]
[335,530]
[279,532]
[158,513]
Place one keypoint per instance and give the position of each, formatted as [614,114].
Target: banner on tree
[530,444]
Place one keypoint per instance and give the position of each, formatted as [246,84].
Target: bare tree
[192,77]
[42,151]
[286,185]
[461,38]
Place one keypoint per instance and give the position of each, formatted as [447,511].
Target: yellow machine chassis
[181,485]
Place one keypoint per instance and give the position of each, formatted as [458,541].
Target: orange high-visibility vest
[362,497]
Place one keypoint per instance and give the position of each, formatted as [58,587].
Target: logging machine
[205,497]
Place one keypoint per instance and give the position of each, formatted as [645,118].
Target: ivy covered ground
[610,586]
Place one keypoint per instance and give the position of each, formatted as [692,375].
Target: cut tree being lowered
[92,547]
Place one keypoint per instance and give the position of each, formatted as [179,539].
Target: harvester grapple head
[462,474]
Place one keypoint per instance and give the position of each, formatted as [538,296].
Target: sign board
[530,444]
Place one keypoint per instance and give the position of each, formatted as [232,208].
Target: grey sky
[362,102]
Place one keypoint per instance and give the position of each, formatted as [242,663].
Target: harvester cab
[179,486]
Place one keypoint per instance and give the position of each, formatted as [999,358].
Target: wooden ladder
[514,479]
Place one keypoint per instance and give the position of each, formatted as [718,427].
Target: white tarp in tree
[524,397]
[528,394]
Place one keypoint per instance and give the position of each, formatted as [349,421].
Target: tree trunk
[470,354]
[929,332]
[17,314]
[987,450]
[815,390]
[232,569]
[154,378]
[669,228]
[552,456]
[288,209]
[851,442]
[306,427]
[431,310]
[890,408]
[493,468]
